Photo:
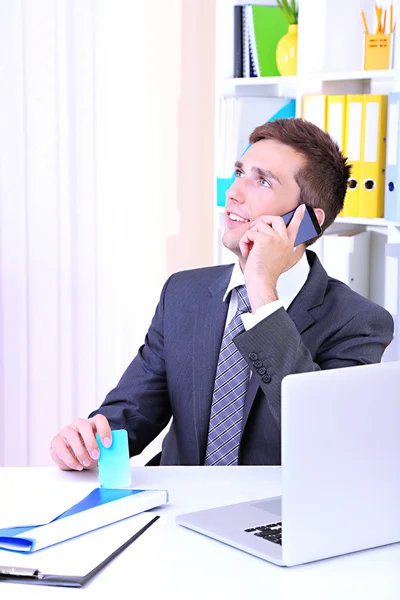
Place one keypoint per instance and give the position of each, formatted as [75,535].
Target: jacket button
[257,363]
[266,378]
[262,371]
[253,356]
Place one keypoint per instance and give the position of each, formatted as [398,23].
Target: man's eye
[238,173]
[265,183]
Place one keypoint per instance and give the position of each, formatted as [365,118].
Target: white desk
[169,561]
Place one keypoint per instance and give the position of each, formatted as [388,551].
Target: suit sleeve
[140,402]
[274,348]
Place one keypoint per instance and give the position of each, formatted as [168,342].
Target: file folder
[336,121]
[336,118]
[99,508]
[313,109]
[392,176]
[238,41]
[372,168]
[353,145]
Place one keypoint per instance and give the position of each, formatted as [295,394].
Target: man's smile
[235,218]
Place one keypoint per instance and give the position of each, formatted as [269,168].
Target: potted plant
[286,50]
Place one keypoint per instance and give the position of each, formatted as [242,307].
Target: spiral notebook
[262,28]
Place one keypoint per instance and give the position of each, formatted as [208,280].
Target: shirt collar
[289,283]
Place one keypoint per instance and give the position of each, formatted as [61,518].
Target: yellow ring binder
[369,184]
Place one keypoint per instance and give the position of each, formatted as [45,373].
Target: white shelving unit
[296,79]
[330,59]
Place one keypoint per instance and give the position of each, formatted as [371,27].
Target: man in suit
[222,338]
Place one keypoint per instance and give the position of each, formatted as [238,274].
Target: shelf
[353,75]
[348,220]
[340,76]
[284,80]
[364,221]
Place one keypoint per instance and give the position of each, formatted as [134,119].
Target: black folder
[34,576]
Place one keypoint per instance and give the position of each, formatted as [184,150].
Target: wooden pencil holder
[377,51]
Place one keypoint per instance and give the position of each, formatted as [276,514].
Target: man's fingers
[262,227]
[247,241]
[74,438]
[100,425]
[64,466]
[76,447]
[81,437]
[294,225]
[61,464]
[276,224]
[63,455]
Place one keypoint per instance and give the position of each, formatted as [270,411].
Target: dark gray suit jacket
[327,326]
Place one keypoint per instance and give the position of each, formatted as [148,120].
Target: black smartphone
[309,227]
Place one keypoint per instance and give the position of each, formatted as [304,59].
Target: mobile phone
[309,227]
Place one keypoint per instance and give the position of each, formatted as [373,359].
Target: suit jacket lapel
[208,331]
[311,295]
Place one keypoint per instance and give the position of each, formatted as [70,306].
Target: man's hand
[75,447]
[268,250]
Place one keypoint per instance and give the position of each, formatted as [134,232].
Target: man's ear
[320,214]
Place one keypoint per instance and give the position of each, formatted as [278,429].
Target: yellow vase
[286,52]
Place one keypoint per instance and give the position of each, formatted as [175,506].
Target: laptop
[340,472]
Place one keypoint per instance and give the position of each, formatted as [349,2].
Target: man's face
[264,185]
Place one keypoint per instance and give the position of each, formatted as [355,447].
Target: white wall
[106,174]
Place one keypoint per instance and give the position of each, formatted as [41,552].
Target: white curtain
[90,201]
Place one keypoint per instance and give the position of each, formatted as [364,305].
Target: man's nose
[236,192]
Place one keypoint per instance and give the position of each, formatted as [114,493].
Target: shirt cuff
[249,320]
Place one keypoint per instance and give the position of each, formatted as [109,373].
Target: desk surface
[169,561]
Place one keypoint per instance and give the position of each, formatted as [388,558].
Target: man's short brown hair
[323,179]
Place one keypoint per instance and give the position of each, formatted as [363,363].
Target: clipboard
[36,577]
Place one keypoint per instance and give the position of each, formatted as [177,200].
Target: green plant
[290,10]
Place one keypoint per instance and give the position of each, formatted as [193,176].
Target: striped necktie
[230,388]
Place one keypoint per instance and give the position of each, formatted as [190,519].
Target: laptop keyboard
[271,532]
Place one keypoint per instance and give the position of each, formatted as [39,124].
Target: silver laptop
[340,471]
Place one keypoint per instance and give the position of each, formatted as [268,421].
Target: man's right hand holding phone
[268,251]
[75,448]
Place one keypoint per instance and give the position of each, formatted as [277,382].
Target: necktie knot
[243,300]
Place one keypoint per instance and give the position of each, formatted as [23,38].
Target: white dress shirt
[288,286]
